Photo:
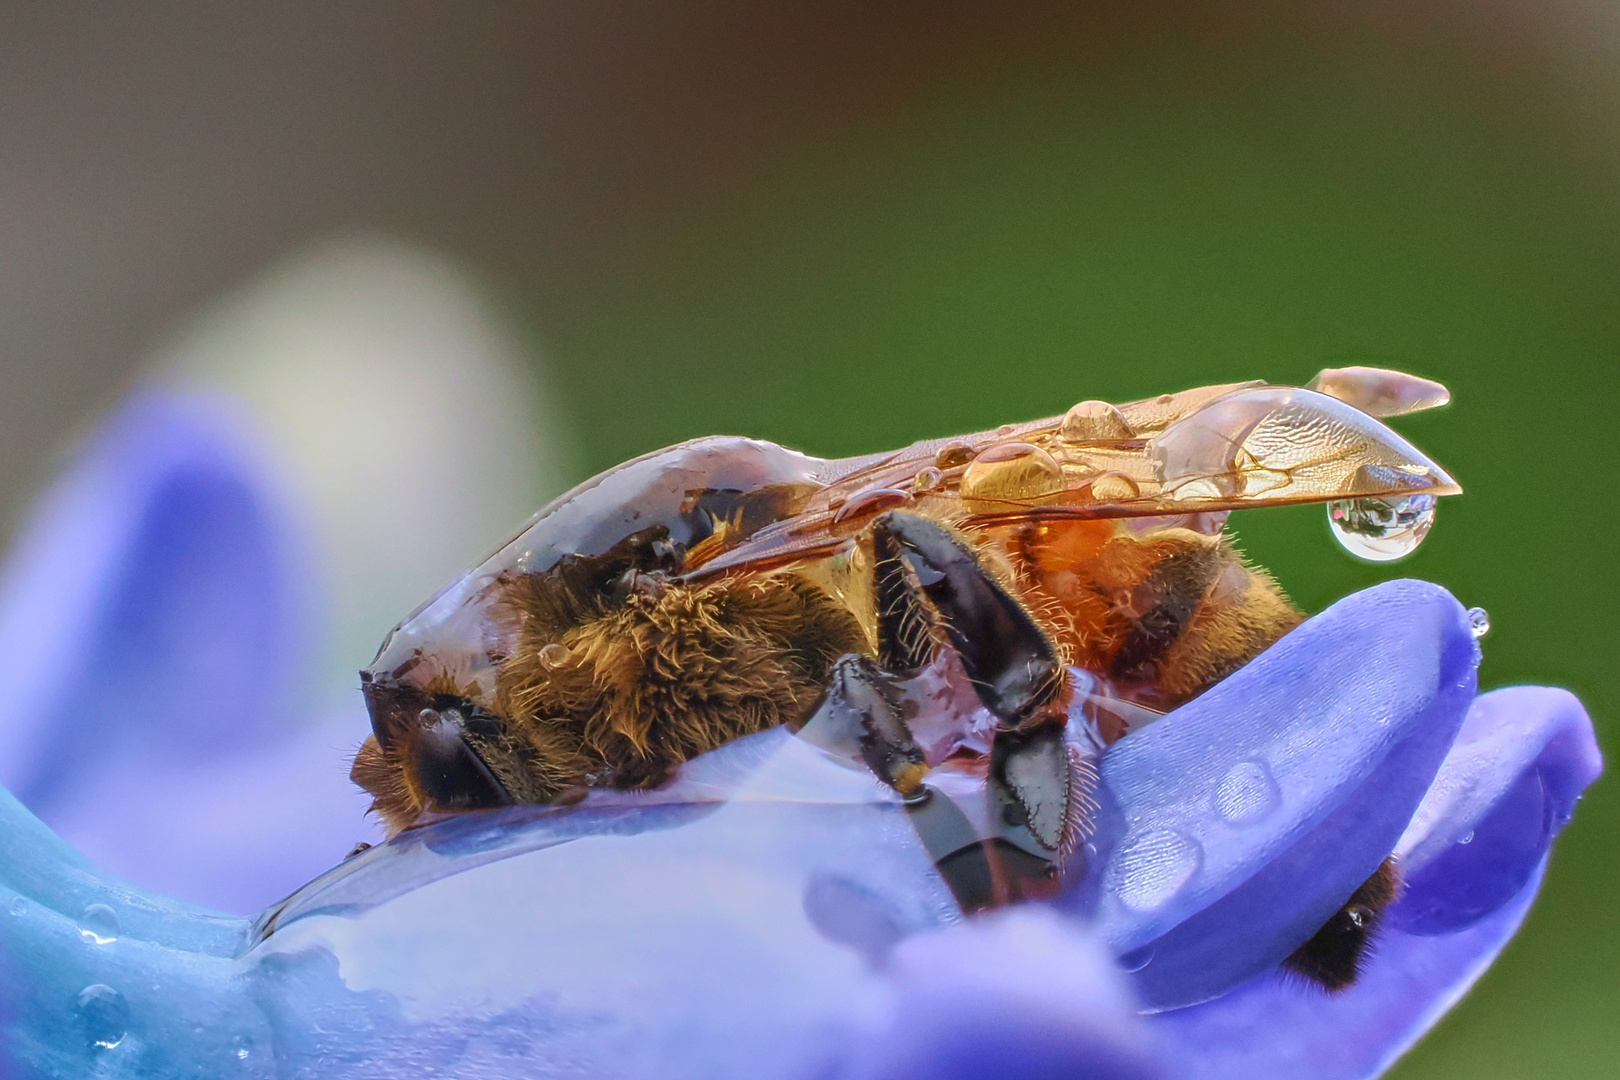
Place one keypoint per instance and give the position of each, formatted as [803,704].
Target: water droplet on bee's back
[1012,471]
[555,655]
[1382,529]
[1479,621]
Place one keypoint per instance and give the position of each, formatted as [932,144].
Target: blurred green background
[844,230]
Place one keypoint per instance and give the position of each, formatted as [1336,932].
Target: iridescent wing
[1211,449]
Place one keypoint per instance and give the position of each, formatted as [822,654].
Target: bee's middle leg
[1013,664]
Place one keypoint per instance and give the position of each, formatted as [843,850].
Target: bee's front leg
[1013,664]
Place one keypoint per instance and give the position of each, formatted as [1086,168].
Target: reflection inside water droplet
[1479,621]
[1380,530]
[99,924]
[104,1014]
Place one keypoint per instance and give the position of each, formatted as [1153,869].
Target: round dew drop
[99,924]
[1381,530]
[1479,621]
[104,1014]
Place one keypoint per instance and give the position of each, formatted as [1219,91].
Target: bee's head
[427,752]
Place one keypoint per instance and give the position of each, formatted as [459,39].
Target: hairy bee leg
[1014,667]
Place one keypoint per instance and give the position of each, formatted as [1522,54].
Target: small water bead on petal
[1012,471]
[1114,487]
[1152,868]
[1093,421]
[1246,792]
[1466,838]
[1479,621]
[555,655]
[99,924]
[19,907]
[104,1015]
[1381,530]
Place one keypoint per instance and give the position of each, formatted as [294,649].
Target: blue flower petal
[1022,994]
[151,615]
[1475,853]
[1241,821]
[1275,1029]
[1510,783]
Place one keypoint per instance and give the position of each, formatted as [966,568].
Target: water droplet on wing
[1479,621]
[1012,471]
[104,1014]
[928,478]
[1246,792]
[1093,421]
[1380,529]
[1152,868]
[99,924]
[1113,487]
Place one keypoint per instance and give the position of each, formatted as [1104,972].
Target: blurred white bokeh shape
[404,410]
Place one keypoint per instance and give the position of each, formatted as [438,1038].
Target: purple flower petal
[1246,817]
[1475,853]
[152,614]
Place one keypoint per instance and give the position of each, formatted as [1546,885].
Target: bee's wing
[1216,448]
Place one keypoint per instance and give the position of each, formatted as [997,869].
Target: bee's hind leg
[1013,665]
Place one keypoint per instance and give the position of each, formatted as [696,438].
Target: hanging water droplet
[1152,868]
[99,924]
[1137,959]
[104,1014]
[1466,838]
[19,907]
[1246,792]
[555,655]
[1479,621]
[1378,529]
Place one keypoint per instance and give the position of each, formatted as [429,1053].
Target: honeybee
[724,586]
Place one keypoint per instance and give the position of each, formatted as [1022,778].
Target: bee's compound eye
[449,771]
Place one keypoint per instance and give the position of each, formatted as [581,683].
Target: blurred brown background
[846,226]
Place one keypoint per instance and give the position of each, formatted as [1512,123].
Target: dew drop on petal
[99,924]
[1380,530]
[104,1014]
[1466,838]
[555,656]
[1246,792]
[19,907]
[1479,621]
[1152,868]
[1137,959]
